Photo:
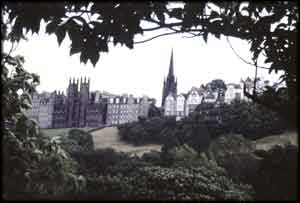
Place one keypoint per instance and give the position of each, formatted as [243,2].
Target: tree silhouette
[270,28]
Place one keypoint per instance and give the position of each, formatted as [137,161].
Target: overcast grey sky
[139,71]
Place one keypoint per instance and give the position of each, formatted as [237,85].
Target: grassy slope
[266,143]
[109,138]
[60,131]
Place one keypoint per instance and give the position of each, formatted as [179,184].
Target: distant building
[170,105]
[42,109]
[194,98]
[59,111]
[96,110]
[124,109]
[180,106]
[233,92]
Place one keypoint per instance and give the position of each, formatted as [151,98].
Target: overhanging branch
[170,33]
[241,57]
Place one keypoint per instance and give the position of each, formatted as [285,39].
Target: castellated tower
[83,101]
[72,114]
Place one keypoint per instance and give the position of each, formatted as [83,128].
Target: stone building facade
[124,109]
[42,109]
[82,108]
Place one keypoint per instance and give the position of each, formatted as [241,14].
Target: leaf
[52,26]
[161,17]
[94,58]
[75,48]
[214,14]
[83,56]
[60,34]
[176,12]
[205,34]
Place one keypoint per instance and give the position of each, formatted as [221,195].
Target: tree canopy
[270,28]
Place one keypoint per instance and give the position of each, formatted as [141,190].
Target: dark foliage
[251,120]
[114,176]
[277,176]
[166,131]
[206,123]
[272,173]
[77,141]
[154,111]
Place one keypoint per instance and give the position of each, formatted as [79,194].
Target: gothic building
[170,85]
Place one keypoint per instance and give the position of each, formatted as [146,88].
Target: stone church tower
[84,100]
[170,85]
[77,102]
[72,104]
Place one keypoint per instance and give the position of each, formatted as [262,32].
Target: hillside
[109,138]
[266,143]
[60,131]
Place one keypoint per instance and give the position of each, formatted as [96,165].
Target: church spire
[171,68]
[170,85]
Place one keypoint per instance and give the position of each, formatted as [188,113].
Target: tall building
[170,85]
[77,103]
[59,110]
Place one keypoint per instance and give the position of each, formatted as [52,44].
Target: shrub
[77,141]
[234,153]
[276,178]
[158,183]
[98,161]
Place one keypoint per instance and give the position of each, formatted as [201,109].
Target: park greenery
[201,158]
[207,122]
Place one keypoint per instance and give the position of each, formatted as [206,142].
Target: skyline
[140,71]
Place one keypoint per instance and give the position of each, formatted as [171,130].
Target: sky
[139,71]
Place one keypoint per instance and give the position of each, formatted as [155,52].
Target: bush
[277,175]
[234,153]
[158,183]
[77,141]
[251,120]
[166,131]
[116,176]
[98,161]
[272,173]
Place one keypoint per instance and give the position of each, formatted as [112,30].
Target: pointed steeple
[171,68]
